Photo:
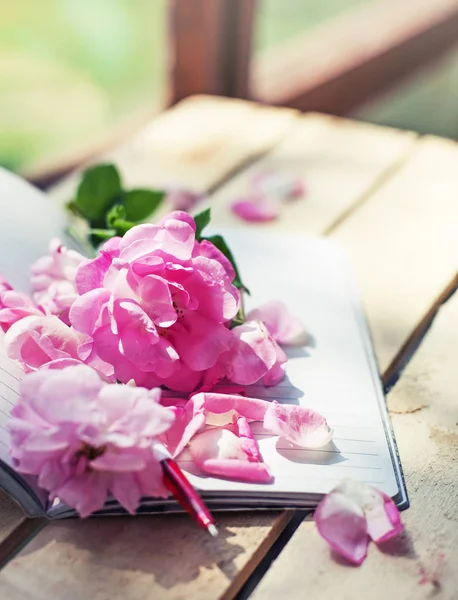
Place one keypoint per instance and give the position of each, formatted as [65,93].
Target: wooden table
[391,199]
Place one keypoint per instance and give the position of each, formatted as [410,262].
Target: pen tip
[212,530]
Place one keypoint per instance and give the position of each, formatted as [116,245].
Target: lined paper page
[10,377]
[335,375]
[29,219]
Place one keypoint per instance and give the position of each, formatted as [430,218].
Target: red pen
[177,483]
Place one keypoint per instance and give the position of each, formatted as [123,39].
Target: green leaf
[115,213]
[116,219]
[140,204]
[202,220]
[102,234]
[220,243]
[98,190]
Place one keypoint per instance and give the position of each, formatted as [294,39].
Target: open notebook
[335,374]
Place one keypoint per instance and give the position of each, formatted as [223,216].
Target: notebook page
[10,377]
[28,220]
[335,374]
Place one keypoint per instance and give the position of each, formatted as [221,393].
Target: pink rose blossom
[353,513]
[15,306]
[285,328]
[53,279]
[157,305]
[85,439]
[253,357]
[35,341]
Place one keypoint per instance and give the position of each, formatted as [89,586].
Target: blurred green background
[72,72]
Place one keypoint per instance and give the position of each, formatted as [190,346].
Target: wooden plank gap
[369,192]
[413,342]
[264,565]
[280,525]
[19,538]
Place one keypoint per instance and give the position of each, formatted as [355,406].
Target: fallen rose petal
[351,507]
[253,409]
[281,184]
[183,199]
[342,523]
[249,444]
[256,209]
[383,519]
[220,452]
[302,426]
[240,470]
[285,328]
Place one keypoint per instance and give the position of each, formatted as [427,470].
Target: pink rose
[253,357]
[37,340]
[157,304]
[84,438]
[15,305]
[53,279]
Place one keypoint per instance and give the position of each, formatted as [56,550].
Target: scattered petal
[221,452]
[183,199]
[342,523]
[383,520]
[256,208]
[284,185]
[351,514]
[285,328]
[302,426]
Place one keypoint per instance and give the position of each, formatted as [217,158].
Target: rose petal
[281,184]
[252,354]
[284,327]
[342,523]
[183,199]
[249,444]
[220,452]
[256,209]
[383,520]
[251,408]
[241,470]
[301,426]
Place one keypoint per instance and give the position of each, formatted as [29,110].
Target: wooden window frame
[335,69]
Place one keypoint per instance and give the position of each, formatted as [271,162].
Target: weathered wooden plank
[145,557]
[60,543]
[403,244]
[340,161]
[423,563]
[197,143]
